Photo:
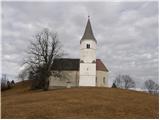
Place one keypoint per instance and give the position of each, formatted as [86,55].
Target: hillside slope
[20,102]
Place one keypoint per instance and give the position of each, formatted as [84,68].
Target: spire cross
[88,17]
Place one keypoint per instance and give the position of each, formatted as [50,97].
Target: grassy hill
[19,102]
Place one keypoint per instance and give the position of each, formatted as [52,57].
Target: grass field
[19,102]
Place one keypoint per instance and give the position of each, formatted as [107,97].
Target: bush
[114,85]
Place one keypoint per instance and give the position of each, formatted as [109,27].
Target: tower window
[88,46]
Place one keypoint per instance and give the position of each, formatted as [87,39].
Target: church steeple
[88,57]
[88,34]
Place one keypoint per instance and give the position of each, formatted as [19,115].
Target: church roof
[100,65]
[65,64]
[73,64]
[88,34]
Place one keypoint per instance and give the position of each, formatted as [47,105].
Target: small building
[86,71]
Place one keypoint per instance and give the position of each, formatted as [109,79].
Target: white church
[86,71]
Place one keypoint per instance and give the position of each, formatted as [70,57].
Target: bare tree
[4,82]
[128,82]
[42,52]
[156,89]
[118,81]
[22,75]
[124,81]
[151,86]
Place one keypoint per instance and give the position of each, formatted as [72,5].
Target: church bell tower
[88,57]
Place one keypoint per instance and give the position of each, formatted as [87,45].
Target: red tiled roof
[100,65]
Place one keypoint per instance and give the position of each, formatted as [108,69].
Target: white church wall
[88,69]
[87,81]
[100,75]
[87,74]
[73,77]
[69,76]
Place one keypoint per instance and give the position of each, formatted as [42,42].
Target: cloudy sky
[126,32]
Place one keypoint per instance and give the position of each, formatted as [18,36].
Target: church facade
[86,71]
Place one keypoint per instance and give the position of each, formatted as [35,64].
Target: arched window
[88,46]
[96,80]
[104,80]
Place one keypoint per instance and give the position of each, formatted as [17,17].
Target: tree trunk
[46,84]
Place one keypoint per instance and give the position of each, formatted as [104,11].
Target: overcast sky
[126,33]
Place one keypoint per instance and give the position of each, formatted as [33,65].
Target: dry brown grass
[19,102]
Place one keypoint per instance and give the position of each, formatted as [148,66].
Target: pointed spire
[88,34]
